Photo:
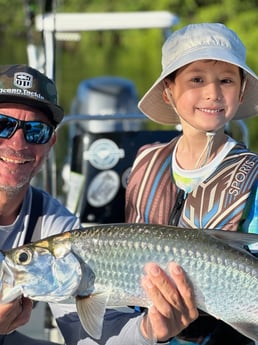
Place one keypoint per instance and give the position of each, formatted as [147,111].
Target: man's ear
[53,139]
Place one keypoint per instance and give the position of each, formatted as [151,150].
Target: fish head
[46,270]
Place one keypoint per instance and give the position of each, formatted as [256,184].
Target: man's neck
[10,205]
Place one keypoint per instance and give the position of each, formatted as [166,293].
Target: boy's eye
[197,80]
[226,81]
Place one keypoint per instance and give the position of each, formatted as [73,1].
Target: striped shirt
[226,199]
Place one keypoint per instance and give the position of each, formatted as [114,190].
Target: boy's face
[206,93]
[20,160]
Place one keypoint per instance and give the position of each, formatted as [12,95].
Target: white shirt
[188,180]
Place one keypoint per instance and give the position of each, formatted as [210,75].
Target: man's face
[19,160]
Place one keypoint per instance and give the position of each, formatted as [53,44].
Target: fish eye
[23,256]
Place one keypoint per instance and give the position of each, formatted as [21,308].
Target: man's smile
[15,160]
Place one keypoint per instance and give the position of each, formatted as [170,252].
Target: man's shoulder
[51,206]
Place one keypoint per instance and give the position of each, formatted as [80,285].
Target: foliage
[12,21]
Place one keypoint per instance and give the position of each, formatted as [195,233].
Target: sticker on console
[103,188]
[103,154]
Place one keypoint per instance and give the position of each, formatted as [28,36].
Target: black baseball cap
[23,84]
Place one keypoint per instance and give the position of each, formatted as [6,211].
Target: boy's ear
[242,91]
[166,95]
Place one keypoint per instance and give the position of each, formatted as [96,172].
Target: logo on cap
[23,80]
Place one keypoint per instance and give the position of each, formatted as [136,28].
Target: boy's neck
[191,151]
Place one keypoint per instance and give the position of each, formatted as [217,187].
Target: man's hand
[173,306]
[14,314]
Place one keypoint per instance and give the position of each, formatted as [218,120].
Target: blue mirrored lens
[7,126]
[35,132]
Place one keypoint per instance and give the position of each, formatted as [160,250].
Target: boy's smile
[206,93]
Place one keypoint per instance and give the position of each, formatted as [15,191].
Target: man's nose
[17,140]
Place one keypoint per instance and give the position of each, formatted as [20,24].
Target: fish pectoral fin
[91,310]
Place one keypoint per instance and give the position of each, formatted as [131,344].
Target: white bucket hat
[211,41]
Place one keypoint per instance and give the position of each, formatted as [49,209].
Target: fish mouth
[8,290]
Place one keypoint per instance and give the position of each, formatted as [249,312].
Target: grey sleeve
[119,328]
[129,334]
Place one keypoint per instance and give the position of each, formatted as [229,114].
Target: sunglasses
[35,132]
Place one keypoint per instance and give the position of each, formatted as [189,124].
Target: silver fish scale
[225,280]
[117,256]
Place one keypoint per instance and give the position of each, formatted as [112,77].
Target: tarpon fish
[106,263]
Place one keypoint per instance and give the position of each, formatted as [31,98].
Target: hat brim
[154,107]
[54,112]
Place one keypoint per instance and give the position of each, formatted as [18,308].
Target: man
[29,115]
[28,118]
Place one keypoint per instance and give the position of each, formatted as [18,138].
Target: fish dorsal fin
[91,310]
[235,239]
